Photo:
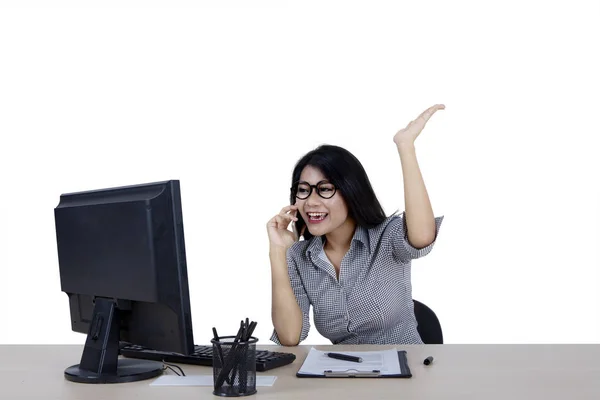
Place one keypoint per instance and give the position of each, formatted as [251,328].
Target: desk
[490,372]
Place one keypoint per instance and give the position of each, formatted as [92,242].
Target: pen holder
[234,367]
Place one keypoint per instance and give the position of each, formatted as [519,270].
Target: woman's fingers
[289,213]
[289,218]
[281,222]
[430,111]
[288,208]
[283,219]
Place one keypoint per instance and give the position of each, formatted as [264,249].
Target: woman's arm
[420,221]
[289,301]
[285,311]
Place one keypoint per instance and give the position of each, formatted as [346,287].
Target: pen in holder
[234,363]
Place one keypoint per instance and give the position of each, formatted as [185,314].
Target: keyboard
[202,355]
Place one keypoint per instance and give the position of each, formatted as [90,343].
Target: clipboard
[357,373]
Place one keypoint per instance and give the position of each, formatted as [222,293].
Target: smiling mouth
[316,217]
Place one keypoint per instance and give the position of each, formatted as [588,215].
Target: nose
[313,199]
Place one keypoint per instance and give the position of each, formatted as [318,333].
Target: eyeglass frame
[295,185]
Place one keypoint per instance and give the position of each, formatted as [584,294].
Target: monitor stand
[100,361]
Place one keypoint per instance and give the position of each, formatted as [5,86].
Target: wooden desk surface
[502,372]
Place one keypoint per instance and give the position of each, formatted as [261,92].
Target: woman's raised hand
[414,127]
[277,228]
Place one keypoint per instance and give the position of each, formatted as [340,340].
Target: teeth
[317,214]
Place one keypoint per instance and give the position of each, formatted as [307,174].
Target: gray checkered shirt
[371,303]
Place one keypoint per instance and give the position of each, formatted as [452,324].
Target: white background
[227,97]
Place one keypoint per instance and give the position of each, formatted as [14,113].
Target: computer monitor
[121,254]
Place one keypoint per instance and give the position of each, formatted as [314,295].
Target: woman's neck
[339,240]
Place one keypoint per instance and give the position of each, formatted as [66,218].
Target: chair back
[429,327]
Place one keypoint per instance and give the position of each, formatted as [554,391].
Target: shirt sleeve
[301,299]
[401,247]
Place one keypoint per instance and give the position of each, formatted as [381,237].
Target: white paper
[384,361]
[203,380]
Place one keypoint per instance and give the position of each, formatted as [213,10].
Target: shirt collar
[362,235]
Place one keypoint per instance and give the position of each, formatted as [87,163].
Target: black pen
[219,350]
[344,357]
[229,363]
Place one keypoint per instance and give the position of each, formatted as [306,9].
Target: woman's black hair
[349,177]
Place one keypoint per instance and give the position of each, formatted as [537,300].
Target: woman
[354,263]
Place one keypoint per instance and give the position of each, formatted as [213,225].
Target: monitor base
[100,361]
[127,371]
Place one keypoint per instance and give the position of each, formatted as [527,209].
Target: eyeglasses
[303,190]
